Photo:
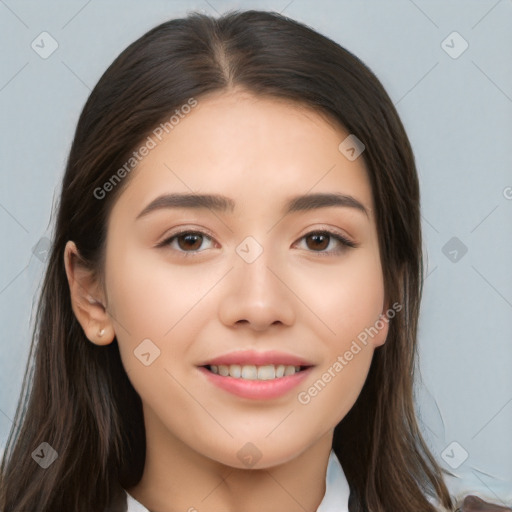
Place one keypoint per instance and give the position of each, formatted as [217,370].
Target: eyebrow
[221,203]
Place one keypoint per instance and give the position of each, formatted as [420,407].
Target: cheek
[350,304]
[151,299]
[149,296]
[156,309]
[345,298]
[328,396]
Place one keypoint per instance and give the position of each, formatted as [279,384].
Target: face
[260,281]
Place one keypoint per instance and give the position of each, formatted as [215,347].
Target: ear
[87,298]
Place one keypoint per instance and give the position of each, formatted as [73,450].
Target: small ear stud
[101,333]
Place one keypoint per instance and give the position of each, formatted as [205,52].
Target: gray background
[457,112]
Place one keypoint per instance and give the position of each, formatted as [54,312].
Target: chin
[257,454]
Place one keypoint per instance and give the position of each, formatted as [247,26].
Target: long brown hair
[76,395]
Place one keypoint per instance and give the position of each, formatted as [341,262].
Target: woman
[228,318]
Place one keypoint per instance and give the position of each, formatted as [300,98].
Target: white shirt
[335,498]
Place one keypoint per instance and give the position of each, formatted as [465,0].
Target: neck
[177,478]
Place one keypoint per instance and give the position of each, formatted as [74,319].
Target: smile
[255,382]
[253,372]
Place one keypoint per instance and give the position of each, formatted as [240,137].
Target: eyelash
[345,242]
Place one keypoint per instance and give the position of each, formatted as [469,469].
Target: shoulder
[472,503]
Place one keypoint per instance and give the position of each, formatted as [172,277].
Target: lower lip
[257,389]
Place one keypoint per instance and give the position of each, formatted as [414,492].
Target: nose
[257,296]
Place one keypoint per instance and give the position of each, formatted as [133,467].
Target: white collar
[335,498]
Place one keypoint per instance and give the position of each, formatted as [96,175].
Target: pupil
[320,244]
[190,241]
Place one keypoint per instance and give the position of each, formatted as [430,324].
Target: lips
[255,389]
[255,358]
[256,375]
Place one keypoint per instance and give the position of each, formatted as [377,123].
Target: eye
[186,241]
[320,241]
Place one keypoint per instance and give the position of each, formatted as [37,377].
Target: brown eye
[319,241]
[326,243]
[190,241]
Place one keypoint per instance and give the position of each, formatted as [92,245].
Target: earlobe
[87,299]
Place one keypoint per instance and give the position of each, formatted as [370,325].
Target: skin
[296,297]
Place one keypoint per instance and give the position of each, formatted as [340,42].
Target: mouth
[254,372]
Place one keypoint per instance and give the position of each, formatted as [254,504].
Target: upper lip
[253,357]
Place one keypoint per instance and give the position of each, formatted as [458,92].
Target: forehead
[249,148]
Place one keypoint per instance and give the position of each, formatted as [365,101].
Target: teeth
[235,370]
[252,372]
[267,372]
[249,372]
[289,370]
